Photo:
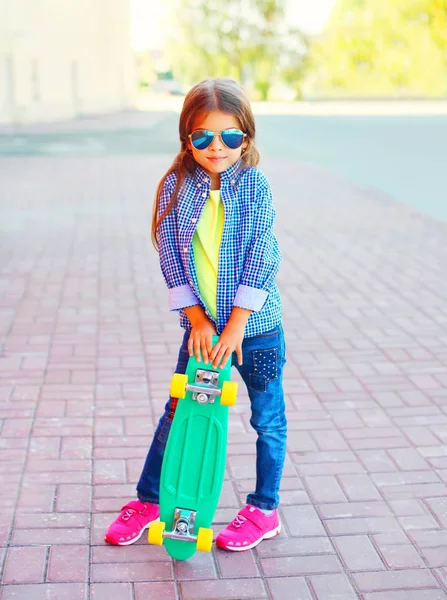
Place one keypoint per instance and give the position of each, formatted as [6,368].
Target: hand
[200,338]
[230,341]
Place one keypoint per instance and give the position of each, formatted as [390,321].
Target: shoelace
[238,521]
[129,512]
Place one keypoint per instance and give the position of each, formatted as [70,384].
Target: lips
[216,159]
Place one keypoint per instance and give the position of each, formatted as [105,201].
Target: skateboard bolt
[202,398]
[182,526]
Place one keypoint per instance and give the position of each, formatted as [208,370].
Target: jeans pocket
[269,334]
[265,368]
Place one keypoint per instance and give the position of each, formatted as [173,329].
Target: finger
[218,357]
[225,358]
[203,345]
[209,345]
[197,348]
[190,345]
[239,355]
[215,350]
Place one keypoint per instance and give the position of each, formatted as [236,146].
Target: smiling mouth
[216,158]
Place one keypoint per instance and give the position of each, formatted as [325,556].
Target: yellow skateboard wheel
[155,535]
[178,385]
[229,393]
[204,540]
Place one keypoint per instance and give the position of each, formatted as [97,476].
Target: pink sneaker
[250,527]
[135,517]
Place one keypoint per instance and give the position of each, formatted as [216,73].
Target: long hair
[224,95]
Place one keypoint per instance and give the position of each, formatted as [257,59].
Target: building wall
[64,58]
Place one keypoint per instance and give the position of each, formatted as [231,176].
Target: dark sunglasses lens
[201,139]
[232,138]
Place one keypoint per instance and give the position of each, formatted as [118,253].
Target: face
[217,157]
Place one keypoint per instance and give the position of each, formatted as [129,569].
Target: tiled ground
[89,346]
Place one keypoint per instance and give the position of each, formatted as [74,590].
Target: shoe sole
[133,540]
[267,536]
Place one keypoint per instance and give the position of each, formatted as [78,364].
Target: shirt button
[190,282]
[204,194]
[233,181]
[185,249]
[193,220]
[199,185]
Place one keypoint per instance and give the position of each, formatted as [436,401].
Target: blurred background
[357,87]
[291,49]
[66,58]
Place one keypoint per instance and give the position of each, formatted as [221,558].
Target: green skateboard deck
[194,461]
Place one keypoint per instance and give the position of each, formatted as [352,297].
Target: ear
[188,146]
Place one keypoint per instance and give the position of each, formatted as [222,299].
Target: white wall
[64,58]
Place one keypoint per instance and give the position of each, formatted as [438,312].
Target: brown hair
[224,95]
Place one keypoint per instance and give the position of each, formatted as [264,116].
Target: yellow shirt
[206,245]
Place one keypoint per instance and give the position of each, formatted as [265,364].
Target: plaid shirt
[249,253]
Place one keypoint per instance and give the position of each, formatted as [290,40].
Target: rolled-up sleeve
[264,257]
[180,293]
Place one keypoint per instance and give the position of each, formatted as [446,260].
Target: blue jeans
[262,370]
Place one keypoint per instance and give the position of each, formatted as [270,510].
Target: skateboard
[193,466]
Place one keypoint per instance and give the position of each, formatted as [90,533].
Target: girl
[213,226]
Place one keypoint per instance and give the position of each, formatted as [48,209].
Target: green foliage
[383,47]
[248,40]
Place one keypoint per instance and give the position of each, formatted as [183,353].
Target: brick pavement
[88,349]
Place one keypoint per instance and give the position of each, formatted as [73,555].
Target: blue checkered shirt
[249,253]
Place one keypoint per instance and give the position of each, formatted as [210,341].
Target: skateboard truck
[206,389]
[182,526]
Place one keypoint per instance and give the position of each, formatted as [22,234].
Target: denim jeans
[262,369]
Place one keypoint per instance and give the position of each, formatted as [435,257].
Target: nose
[216,144]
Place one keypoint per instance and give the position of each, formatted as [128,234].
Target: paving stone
[325,489]
[236,564]
[302,521]
[233,589]
[405,556]
[25,565]
[68,563]
[288,588]
[104,572]
[299,565]
[202,566]
[359,488]
[358,553]
[407,595]
[395,580]
[279,546]
[107,591]
[45,591]
[347,510]
[332,587]
[166,590]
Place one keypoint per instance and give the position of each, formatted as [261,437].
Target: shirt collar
[229,174]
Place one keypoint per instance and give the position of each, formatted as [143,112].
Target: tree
[383,47]
[244,39]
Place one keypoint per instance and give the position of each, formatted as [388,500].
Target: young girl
[213,226]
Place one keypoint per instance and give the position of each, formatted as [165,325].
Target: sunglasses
[231,138]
